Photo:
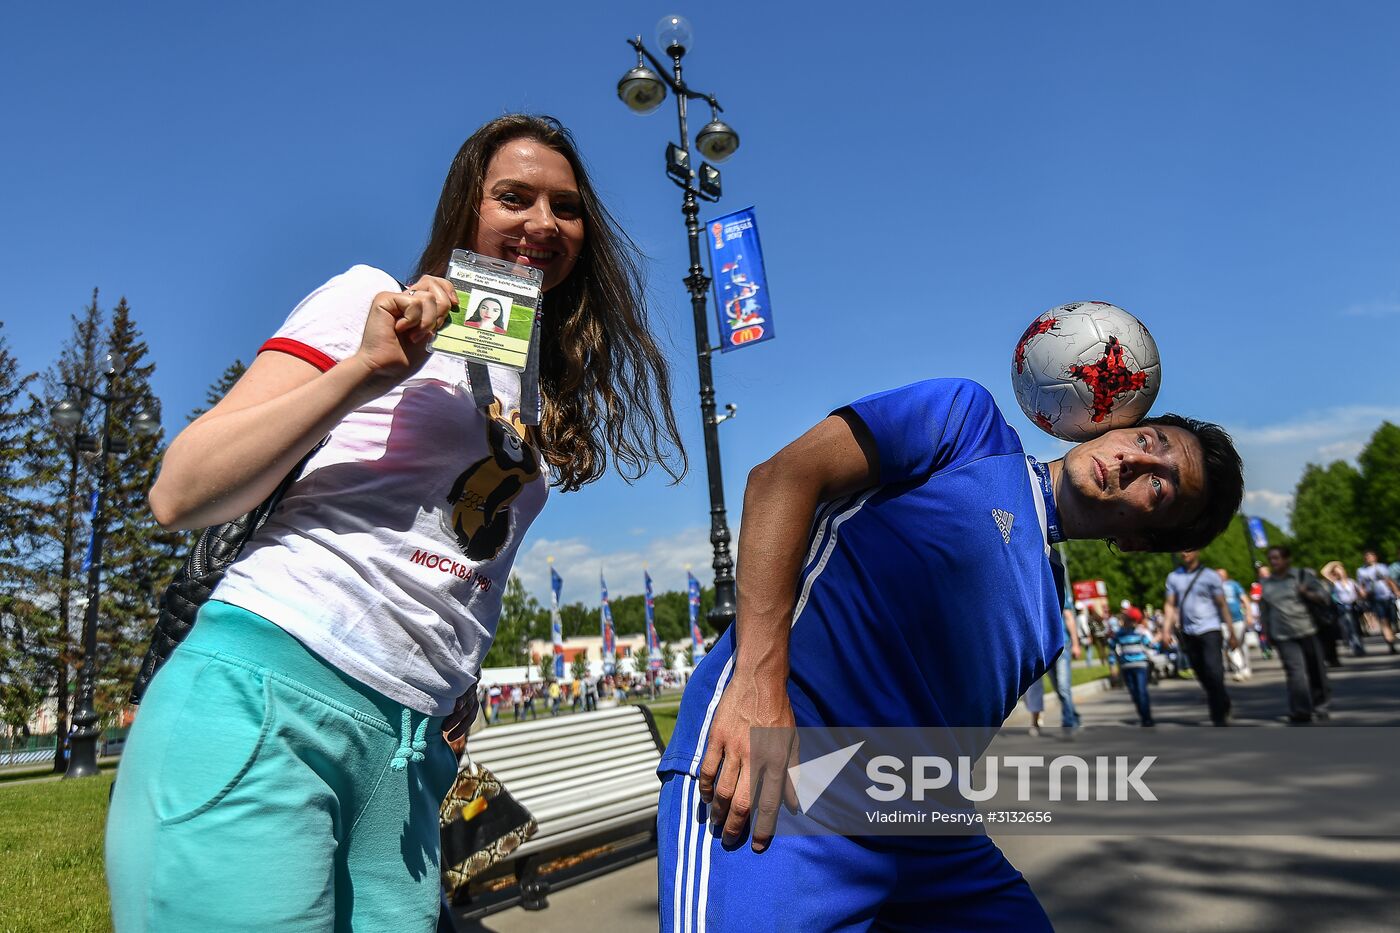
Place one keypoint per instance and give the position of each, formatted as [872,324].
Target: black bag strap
[1189,587]
[214,551]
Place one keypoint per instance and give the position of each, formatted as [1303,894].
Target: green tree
[668,656]
[63,482]
[629,615]
[519,622]
[579,668]
[1325,521]
[1379,501]
[219,388]
[138,557]
[641,660]
[27,623]
[578,619]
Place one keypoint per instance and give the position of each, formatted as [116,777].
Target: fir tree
[138,557]
[63,483]
[216,392]
[26,620]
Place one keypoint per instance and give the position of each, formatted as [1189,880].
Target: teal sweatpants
[262,789]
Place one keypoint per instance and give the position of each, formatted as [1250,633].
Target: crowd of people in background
[524,699]
[1210,623]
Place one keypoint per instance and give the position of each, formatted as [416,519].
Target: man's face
[1277,562]
[1370,557]
[1133,481]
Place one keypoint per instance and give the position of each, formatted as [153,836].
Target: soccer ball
[1085,368]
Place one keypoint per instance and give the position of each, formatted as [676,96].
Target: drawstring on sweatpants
[410,750]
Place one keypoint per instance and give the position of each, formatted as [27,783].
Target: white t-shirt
[1372,578]
[388,556]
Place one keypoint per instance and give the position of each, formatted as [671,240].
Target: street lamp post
[643,89]
[68,414]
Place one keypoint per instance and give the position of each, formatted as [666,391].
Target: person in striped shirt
[1130,644]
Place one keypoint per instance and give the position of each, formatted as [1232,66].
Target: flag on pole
[609,642]
[556,583]
[653,645]
[697,640]
[92,540]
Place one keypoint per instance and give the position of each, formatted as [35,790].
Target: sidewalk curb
[1083,690]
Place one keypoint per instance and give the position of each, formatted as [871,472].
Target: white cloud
[578,563]
[1378,308]
[1341,450]
[1315,427]
[1266,503]
[1269,499]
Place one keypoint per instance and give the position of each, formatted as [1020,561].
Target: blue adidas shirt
[926,601]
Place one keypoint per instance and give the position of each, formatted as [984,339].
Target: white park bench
[589,779]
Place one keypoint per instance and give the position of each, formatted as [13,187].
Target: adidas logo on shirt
[1004,520]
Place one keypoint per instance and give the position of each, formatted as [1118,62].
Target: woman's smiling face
[531,212]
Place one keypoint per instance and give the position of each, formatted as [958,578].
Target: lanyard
[479,379]
[1052,517]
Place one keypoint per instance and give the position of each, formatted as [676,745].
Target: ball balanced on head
[1085,368]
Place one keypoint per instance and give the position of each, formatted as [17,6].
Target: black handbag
[217,547]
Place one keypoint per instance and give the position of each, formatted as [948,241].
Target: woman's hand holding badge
[399,326]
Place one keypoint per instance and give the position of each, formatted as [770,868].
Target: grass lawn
[51,874]
[1082,675]
[665,717]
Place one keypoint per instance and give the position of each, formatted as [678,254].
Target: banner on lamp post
[741,287]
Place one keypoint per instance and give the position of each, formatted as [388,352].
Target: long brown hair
[604,383]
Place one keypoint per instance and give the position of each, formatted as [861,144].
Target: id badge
[497,306]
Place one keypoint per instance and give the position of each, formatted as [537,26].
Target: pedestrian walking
[555,693]
[517,700]
[1196,607]
[494,694]
[1061,674]
[1130,644]
[1347,599]
[1290,600]
[1381,593]
[1239,605]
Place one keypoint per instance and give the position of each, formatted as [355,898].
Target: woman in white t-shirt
[1348,599]
[285,771]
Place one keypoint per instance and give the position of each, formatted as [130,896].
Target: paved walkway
[1088,883]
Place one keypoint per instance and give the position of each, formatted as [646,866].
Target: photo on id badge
[495,313]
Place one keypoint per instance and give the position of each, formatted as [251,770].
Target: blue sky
[1227,172]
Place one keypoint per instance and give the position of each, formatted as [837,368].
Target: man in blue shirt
[1238,603]
[894,571]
